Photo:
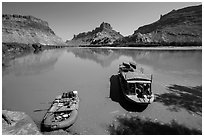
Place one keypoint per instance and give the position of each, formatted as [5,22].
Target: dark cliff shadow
[134,125]
[117,96]
[188,98]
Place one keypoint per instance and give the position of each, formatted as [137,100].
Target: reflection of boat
[63,112]
[135,85]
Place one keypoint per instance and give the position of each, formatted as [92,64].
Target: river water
[32,81]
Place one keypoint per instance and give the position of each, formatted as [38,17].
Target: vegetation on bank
[17,48]
[152,44]
[133,125]
[13,50]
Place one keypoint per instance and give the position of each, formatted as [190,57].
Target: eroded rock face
[104,34]
[27,30]
[18,123]
[180,26]
[105,26]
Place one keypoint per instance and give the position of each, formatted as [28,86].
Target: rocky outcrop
[178,26]
[27,30]
[18,123]
[99,36]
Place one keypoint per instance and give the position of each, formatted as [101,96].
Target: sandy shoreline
[150,48]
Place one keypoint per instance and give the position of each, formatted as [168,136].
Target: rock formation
[18,123]
[178,26]
[99,36]
[27,30]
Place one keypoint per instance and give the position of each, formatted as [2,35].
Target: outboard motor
[75,93]
[133,65]
[127,65]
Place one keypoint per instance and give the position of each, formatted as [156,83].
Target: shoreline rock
[18,123]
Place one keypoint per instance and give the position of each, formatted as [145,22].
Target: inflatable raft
[62,113]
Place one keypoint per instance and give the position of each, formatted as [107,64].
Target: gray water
[32,81]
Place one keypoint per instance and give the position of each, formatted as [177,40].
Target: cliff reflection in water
[104,57]
[168,61]
[34,64]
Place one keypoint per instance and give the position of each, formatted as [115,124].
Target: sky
[69,18]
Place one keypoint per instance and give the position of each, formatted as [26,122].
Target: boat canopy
[135,75]
[138,81]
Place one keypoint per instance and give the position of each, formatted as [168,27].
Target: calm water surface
[32,81]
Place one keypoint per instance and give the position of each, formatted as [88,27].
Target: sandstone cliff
[178,26]
[99,36]
[27,30]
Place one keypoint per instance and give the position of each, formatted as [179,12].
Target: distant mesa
[104,34]
[27,30]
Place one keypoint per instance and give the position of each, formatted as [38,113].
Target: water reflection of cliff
[33,64]
[173,61]
[166,60]
[104,57]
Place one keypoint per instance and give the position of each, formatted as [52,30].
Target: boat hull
[134,98]
[49,125]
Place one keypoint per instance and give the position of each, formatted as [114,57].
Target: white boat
[135,85]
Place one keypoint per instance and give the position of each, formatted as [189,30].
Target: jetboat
[135,85]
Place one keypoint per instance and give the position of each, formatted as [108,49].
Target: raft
[62,113]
